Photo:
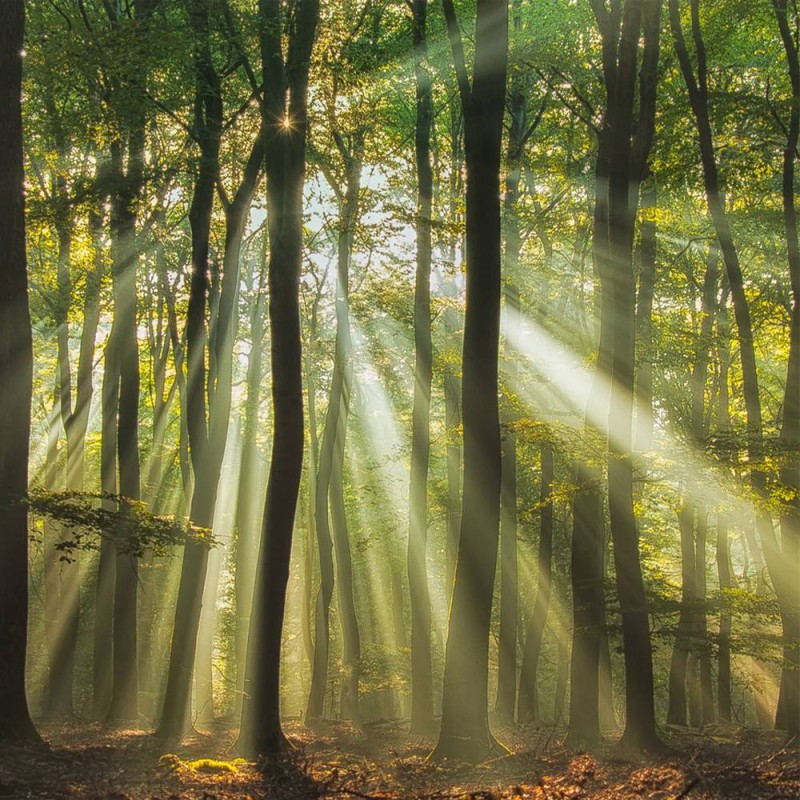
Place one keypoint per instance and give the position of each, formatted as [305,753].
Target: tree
[465,730]
[16,365]
[788,713]
[421,678]
[779,560]
[208,341]
[627,168]
[285,119]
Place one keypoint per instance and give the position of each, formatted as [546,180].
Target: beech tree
[16,364]
[465,730]
[285,111]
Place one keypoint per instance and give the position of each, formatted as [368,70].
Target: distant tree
[421,679]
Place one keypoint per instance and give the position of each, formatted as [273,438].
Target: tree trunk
[778,562]
[16,367]
[528,709]
[250,503]
[421,670]
[124,673]
[285,97]
[509,590]
[465,730]
[692,638]
[587,548]
[676,712]
[207,422]
[627,168]
[788,714]
[206,459]
[452,380]
[644,321]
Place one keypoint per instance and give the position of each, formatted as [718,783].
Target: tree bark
[528,708]
[627,168]
[465,732]
[250,503]
[777,559]
[788,713]
[421,669]
[16,368]
[285,98]
[509,589]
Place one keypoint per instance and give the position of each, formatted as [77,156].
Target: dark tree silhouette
[465,730]
[285,113]
[16,367]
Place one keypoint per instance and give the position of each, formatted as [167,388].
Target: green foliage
[86,517]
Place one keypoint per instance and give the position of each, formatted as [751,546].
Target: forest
[399,399]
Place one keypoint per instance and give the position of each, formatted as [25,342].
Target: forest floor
[335,760]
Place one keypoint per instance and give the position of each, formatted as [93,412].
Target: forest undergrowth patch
[339,760]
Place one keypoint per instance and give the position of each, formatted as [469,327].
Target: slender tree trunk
[528,708]
[128,185]
[727,578]
[62,578]
[691,644]
[627,167]
[106,567]
[788,714]
[16,367]
[205,459]
[452,380]
[285,97]
[777,559]
[644,321]
[676,712]
[509,590]
[465,730]
[587,549]
[250,504]
[331,520]
[124,679]
[421,670]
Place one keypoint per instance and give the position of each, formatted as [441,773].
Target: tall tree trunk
[676,711]
[691,644]
[106,566]
[331,520]
[777,561]
[62,578]
[421,670]
[208,394]
[452,380]
[727,578]
[285,97]
[127,188]
[644,320]
[311,471]
[250,503]
[16,367]
[509,590]
[124,679]
[528,708]
[627,168]
[465,730]
[588,545]
[351,641]
[205,458]
[788,714]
